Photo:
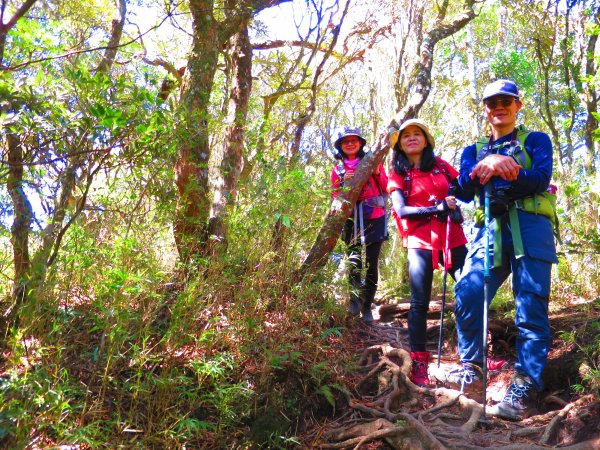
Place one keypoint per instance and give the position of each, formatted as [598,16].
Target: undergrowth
[122,350]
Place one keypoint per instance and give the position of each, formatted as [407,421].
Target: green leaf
[337,331]
[325,391]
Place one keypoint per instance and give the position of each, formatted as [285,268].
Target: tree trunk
[23,217]
[232,160]
[23,213]
[30,271]
[477,124]
[545,62]
[191,168]
[115,38]
[342,206]
[591,100]
[6,27]
[567,155]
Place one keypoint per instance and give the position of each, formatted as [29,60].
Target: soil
[384,410]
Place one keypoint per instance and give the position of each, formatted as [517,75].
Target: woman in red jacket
[367,227]
[419,185]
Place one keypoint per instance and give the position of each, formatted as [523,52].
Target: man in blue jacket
[523,244]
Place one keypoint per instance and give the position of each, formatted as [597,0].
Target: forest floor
[384,410]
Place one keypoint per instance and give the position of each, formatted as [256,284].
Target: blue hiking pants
[531,290]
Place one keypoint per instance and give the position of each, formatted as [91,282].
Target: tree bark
[591,99]
[115,37]
[23,218]
[191,168]
[23,213]
[6,27]
[545,62]
[566,68]
[232,159]
[342,206]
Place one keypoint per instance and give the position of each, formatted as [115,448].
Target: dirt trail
[386,411]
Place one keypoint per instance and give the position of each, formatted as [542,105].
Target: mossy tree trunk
[210,35]
[232,159]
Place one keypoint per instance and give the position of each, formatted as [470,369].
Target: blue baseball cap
[500,87]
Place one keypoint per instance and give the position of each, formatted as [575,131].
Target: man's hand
[501,166]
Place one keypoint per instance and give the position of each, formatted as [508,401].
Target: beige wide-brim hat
[395,135]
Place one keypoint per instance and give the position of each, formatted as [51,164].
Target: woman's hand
[451,201]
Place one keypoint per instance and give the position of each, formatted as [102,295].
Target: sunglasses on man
[503,100]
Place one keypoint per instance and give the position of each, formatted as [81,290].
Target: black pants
[372,250]
[420,274]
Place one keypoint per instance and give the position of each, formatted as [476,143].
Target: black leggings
[420,274]
[369,288]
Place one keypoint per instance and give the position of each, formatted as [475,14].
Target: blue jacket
[536,230]
[530,181]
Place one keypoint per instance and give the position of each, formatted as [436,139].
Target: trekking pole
[446,255]
[486,288]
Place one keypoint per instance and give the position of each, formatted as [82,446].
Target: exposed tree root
[557,420]
[405,415]
[586,445]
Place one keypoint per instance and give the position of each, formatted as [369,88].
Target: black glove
[456,215]
[443,211]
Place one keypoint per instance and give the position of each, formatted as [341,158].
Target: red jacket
[427,189]
[376,185]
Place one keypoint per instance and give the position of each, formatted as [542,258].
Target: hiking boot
[496,365]
[467,378]
[355,304]
[367,315]
[419,373]
[518,402]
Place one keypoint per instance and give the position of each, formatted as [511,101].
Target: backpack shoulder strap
[482,148]
[340,171]
[443,168]
[518,150]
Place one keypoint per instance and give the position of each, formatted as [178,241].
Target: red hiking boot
[496,365]
[419,373]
